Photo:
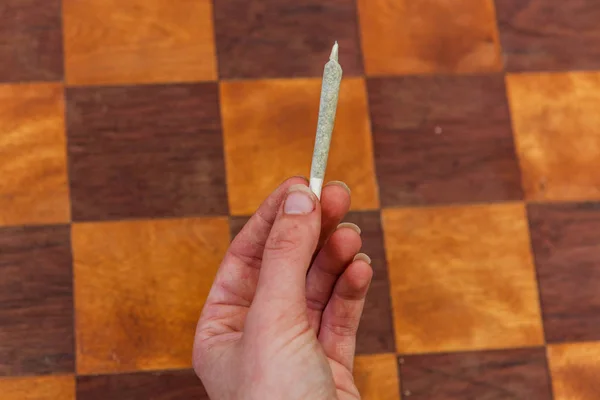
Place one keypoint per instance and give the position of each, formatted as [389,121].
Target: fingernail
[299,200]
[362,257]
[339,183]
[300,177]
[350,225]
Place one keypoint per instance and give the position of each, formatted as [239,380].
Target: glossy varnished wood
[429,128]
[33,162]
[168,385]
[138,41]
[575,368]
[52,387]
[556,121]
[145,151]
[36,305]
[549,35]
[142,284]
[431,36]
[285,38]
[376,377]
[566,244]
[443,139]
[268,129]
[30,41]
[462,278]
[520,374]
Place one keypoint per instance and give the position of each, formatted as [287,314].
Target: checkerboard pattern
[137,136]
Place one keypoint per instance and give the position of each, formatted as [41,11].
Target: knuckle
[284,241]
[343,327]
[316,303]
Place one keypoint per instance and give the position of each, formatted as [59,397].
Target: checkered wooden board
[136,136]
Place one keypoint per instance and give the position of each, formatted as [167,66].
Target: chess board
[137,136]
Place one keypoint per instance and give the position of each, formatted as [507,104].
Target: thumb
[288,251]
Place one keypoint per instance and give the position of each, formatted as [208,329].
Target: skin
[281,318]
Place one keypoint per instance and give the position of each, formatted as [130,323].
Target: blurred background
[138,136]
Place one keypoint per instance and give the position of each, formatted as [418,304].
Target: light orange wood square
[462,278]
[138,41]
[575,368]
[376,376]
[139,290]
[269,132]
[58,387]
[556,126]
[429,36]
[33,162]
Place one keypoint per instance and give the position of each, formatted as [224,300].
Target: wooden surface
[31,41]
[167,385]
[575,369]
[36,301]
[376,377]
[38,388]
[552,115]
[486,375]
[567,251]
[144,293]
[265,144]
[145,151]
[114,42]
[541,35]
[33,160]
[445,273]
[443,139]
[284,38]
[138,136]
[429,36]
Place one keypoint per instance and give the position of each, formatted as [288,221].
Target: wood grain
[575,369]
[265,144]
[138,41]
[145,151]
[462,278]
[549,111]
[483,375]
[33,164]
[36,305]
[142,284]
[167,385]
[566,244]
[375,333]
[31,41]
[443,139]
[57,387]
[432,36]
[376,377]
[549,35]
[284,38]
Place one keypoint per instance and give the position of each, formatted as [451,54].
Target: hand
[281,318]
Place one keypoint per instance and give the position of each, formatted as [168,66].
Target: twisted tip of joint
[334,52]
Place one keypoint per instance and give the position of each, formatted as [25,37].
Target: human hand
[280,320]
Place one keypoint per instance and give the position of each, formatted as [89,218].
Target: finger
[335,203]
[342,314]
[288,252]
[329,264]
[236,279]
